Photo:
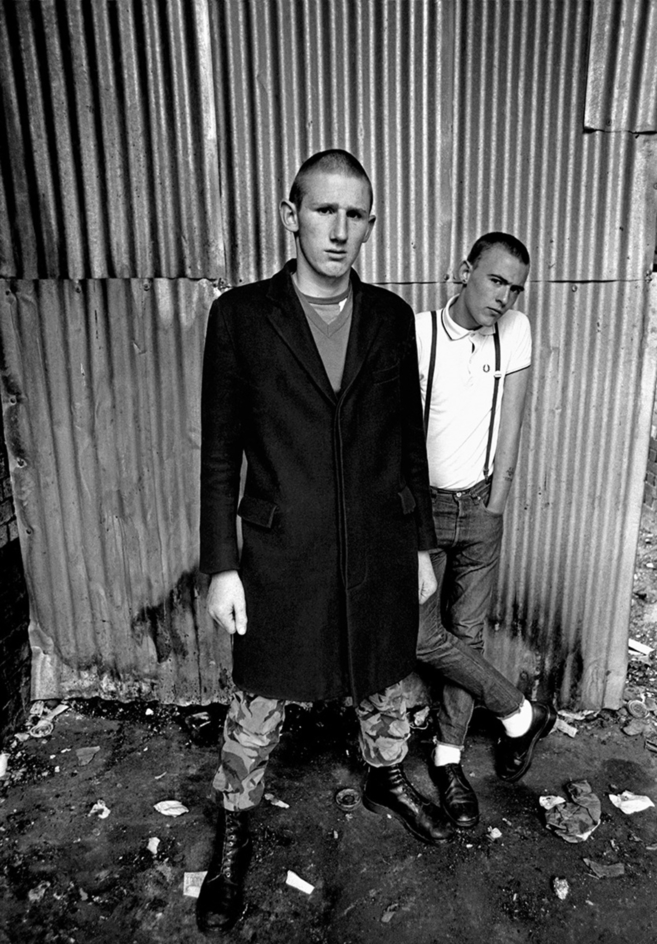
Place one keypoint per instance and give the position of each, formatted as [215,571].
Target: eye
[355,215]
[325,210]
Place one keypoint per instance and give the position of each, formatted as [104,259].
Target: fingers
[230,618]
[426,578]
[239,616]
[226,602]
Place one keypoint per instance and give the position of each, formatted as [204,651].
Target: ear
[289,216]
[464,271]
[370,227]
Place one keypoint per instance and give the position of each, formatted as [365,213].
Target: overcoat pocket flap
[407,500]
[257,511]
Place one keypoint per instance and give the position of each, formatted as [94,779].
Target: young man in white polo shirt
[474,359]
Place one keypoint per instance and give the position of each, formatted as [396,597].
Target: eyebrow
[514,288]
[318,204]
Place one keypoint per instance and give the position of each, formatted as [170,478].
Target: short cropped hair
[510,243]
[331,162]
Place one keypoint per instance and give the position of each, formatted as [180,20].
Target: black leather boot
[388,791]
[221,900]
[457,797]
[514,755]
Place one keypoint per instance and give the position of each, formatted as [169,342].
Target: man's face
[490,288]
[330,226]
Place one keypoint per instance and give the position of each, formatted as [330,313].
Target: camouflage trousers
[253,728]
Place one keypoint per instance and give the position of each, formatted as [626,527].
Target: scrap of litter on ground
[192,882]
[604,870]
[573,821]
[629,802]
[171,808]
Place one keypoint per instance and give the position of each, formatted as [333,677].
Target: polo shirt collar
[454,331]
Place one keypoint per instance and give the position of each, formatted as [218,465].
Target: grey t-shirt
[330,323]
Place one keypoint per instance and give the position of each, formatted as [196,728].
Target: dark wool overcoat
[336,500]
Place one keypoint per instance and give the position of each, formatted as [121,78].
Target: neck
[319,286]
[460,314]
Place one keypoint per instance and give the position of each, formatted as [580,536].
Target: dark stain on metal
[161,620]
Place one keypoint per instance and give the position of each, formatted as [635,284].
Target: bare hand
[426,579]
[226,603]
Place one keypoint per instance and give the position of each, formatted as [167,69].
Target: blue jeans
[452,622]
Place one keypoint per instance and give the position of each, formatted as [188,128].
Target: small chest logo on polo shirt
[486,368]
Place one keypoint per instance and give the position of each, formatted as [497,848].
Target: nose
[339,230]
[503,295]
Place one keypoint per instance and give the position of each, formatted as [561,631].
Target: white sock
[518,723]
[446,754]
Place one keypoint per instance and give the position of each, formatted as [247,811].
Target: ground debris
[99,809]
[86,754]
[560,887]
[601,870]
[170,808]
[274,801]
[347,799]
[634,727]
[629,802]
[569,729]
[192,882]
[295,881]
[575,821]
[389,913]
[36,894]
[43,726]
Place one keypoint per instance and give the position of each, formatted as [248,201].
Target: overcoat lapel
[288,318]
[364,328]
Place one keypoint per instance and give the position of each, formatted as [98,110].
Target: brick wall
[14,616]
[650,491]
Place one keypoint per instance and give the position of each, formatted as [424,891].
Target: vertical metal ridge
[111,167]
[621,94]
[104,414]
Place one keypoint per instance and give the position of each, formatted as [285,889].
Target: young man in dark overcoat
[312,375]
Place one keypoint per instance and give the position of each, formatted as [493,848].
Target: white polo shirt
[462,395]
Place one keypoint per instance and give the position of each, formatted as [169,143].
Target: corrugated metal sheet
[621,93]
[567,569]
[297,76]
[578,200]
[101,414]
[110,157]
[469,117]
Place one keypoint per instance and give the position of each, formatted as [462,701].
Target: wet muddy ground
[68,874]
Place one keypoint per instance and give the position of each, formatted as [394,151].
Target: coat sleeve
[414,459]
[221,446]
